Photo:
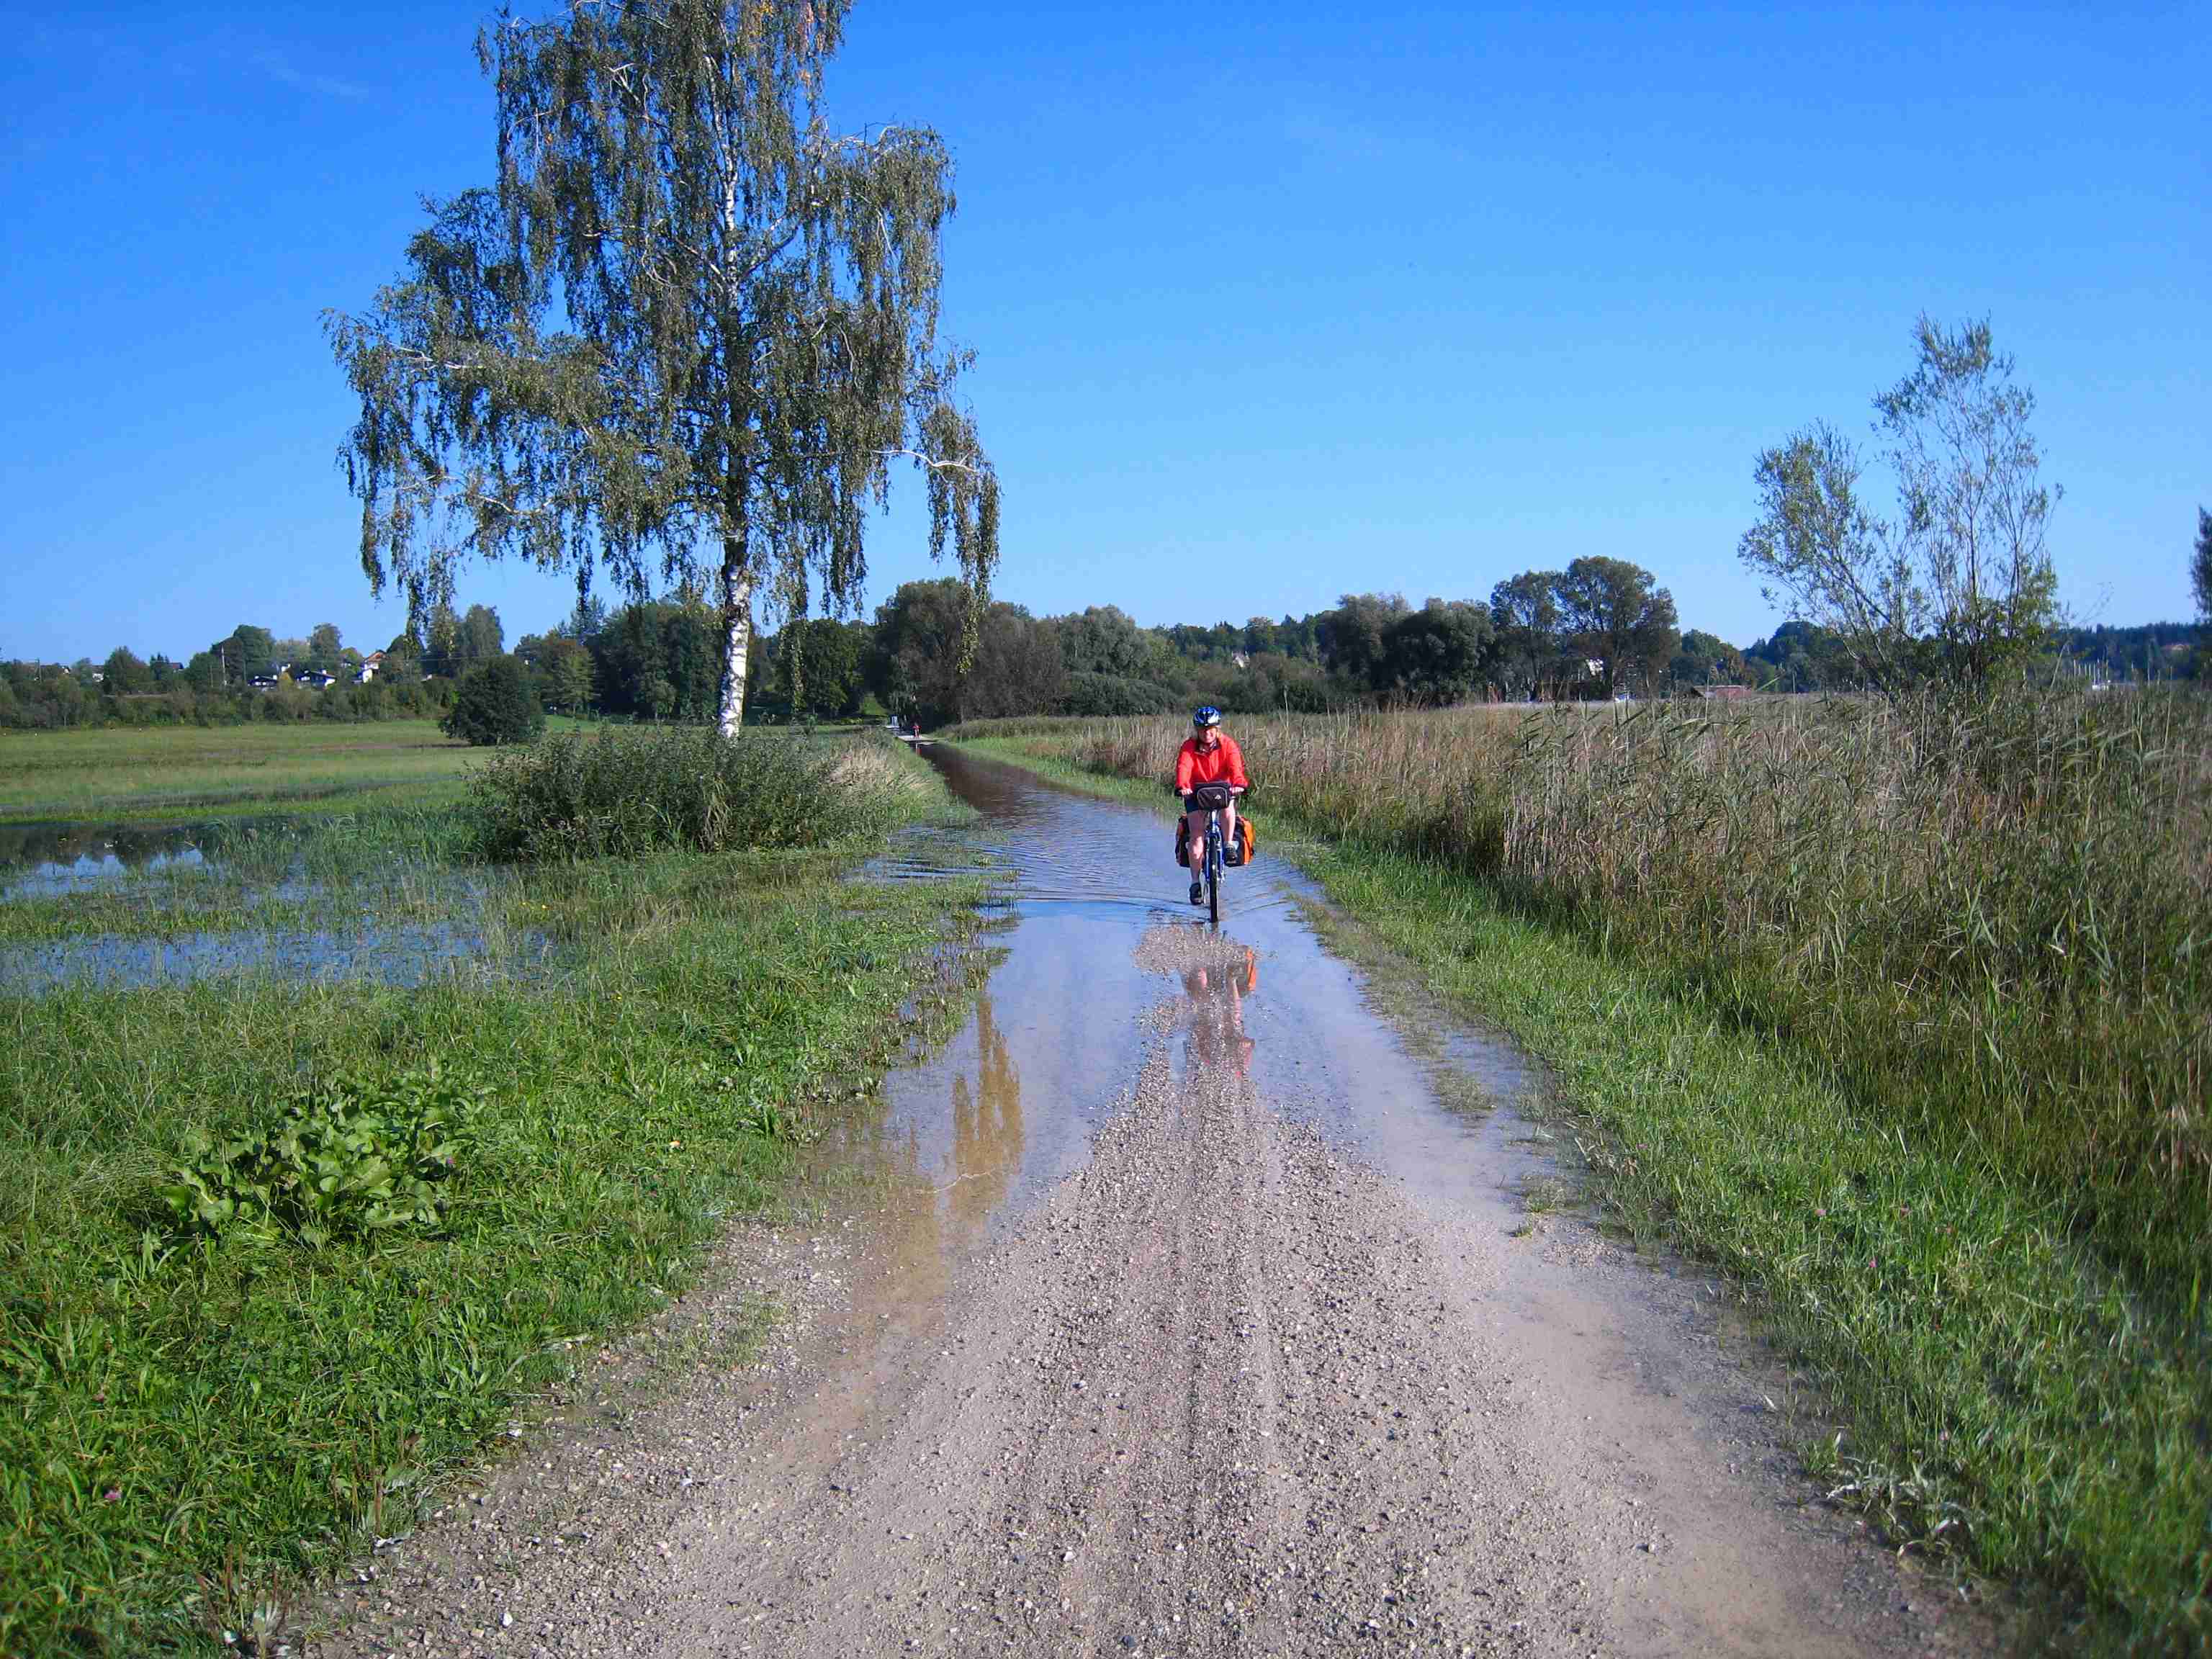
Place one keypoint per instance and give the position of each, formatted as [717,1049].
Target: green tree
[2200,570]
[1705,659]
[479,637]
[1015,669]
[1612,613]
[1103,640]
[495,704]
[1962,582]
[1524,617]
[403,661]
[123,675]
[823,664]
[1351,637]
[325,649]
[919,635]
[751,304]
[1436,656]
[249,654]
[442,640]
[570,684]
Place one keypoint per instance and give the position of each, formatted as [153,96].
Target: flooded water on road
[1643,1372]
[1103,953]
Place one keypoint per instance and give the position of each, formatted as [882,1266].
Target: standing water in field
[37,860]
[119,906]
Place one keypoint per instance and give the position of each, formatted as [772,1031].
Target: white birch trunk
[737,638]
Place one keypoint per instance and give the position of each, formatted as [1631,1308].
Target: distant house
[316,679]
[370,666]
[263,682]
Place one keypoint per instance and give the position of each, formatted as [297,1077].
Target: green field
[1911,1039]
[203,1402]
[183,771]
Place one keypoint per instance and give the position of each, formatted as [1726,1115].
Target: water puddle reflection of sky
[384,955]
[49,861]
[400,925]
[1103,959]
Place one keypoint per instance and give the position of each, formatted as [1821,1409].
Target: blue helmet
[1206,716]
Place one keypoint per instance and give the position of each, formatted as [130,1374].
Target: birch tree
[1961,581]
[685,336]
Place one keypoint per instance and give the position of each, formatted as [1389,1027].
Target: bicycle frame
[1211,864]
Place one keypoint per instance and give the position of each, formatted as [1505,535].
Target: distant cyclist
[1209,755]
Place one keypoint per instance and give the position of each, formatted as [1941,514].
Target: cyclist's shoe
[1198,892]
[1233,855]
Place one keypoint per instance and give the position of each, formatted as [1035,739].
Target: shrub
[495,705]
[342,1161]
[626,791]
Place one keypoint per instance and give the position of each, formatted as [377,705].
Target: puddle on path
[1099,934]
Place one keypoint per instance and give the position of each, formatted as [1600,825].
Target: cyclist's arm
[1184,761]
[1236,764]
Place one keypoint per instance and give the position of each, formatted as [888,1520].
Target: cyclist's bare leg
[1196,820]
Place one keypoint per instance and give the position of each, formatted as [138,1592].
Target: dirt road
[1186,1304]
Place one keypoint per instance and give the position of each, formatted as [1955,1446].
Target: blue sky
[1270,304]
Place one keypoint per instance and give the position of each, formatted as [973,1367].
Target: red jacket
[1224,760]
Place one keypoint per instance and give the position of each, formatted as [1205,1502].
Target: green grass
[171,772]
[2010,1396]
[188,1422]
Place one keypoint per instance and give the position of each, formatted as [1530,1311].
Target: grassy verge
[192,1411]
[2009,1396]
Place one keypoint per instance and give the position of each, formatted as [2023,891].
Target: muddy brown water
[1189,1301]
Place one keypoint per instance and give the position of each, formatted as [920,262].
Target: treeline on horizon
[1601,626]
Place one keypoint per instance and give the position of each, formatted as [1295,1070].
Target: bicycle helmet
[1206,716]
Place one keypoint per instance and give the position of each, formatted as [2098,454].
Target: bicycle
[1212,799]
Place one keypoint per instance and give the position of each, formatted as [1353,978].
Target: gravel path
[1222,1392]
[1185,1316]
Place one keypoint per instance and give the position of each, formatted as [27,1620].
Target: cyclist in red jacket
[1209,755]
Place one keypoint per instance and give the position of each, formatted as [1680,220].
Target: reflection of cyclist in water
[1217,1013]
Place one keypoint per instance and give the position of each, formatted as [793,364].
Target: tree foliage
[1616,616]
[684,335]
[1961,581]
[496,704]
[2200,570]
[1436,656]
